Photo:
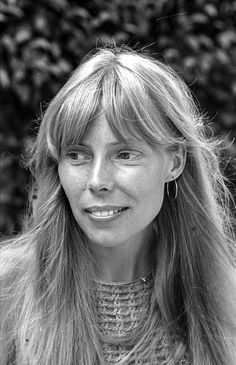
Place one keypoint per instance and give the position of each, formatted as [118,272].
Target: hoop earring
[175,190]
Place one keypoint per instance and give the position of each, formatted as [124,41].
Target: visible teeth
[105,213]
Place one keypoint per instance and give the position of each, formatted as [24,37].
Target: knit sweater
[122,308]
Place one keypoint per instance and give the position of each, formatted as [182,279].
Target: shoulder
[14,255]
[16,270]
[15,258]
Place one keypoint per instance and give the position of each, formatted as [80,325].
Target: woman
[126,259]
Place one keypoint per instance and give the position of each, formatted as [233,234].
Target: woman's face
[115,189]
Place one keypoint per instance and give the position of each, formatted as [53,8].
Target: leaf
[192,42]
[211,10]
[227,38]
[61,68]
[78,12]
[131,28]
[4,78]
[222,57]
[65,66]
[23,34]
[40,23]
[23,92]
[12,10]
[3,18]
[41,43]
[190,62]
[199,18]
[206,41]
[233,88]
[171,53]
[8,43]
[206,62]
[57,4]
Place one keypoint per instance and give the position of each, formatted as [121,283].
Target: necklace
[135,281]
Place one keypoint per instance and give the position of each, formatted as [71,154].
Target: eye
[77,156]
[73,155]
[124,155]
[128,155]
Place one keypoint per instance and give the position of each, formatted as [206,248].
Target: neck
[126,262]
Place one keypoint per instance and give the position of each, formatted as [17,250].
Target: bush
[43,41]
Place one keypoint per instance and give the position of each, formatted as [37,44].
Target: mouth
[103,213]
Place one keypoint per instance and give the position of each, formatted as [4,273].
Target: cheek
[149,190]
[153,195]
[71,183]
[149,182]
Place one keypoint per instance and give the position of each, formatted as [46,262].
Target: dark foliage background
[43,41]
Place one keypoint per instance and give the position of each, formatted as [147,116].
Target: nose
[100,177]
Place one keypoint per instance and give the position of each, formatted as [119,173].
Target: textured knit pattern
[122,307]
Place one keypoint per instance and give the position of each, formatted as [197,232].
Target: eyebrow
[118,143]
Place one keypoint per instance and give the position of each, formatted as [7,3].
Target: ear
[177,163]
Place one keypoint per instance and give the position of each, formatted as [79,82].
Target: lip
[103,208]
[100,208]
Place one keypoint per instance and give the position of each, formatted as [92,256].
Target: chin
[104,240]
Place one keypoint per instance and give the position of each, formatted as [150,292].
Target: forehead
[100,132]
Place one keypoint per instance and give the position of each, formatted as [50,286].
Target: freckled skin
[126,176]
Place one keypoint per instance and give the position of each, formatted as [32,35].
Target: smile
[104,213]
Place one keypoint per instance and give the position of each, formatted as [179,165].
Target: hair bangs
[131,111]
[79,107]
[132,106]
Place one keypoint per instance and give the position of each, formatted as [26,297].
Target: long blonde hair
[48,271]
